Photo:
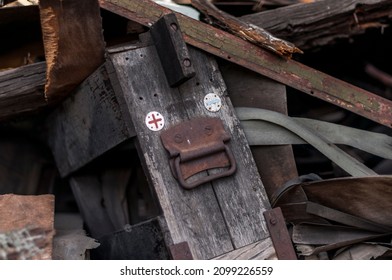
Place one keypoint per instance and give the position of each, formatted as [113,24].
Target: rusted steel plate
[288,72]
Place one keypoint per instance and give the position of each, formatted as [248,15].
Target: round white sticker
[155,121]
[212,102]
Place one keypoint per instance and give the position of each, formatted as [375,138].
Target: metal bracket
[198,145]
[172,50]
[181,251]
[279,234]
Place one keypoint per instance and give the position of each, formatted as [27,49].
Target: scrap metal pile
[314,83]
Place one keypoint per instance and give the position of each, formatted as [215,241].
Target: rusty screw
[178,138]
[273,221]
[208,130]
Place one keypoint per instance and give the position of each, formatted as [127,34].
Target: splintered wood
[73,40]
[26,227]
[245,30]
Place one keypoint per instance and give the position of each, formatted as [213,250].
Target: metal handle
[209,178]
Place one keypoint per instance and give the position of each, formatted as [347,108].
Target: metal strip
[279,234]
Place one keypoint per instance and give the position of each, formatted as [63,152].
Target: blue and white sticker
[212,102]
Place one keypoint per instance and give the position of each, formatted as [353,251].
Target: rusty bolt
[178,138]
[187,62]
[273,221]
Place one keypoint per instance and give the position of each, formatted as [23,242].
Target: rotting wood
[214,219]
[320,23]
[73,40]
[22,90]
[26,227]
[288,72]
[87,124]
[245,30]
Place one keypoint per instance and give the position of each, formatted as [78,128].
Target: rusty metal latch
[198,145]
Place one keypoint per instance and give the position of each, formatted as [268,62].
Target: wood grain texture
[320,23]
[242,198]
[260,250]
[22,90]
[248,55]
[214,218]
[87,124]
[73,41]
[192,216]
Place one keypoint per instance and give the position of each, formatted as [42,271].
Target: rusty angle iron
[198,145]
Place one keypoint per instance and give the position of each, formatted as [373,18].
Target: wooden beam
[320,23]
[217,217]
[87,124]
[22,90]
[289,72]
[73,41]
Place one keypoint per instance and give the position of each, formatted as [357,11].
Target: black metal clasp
[199,145]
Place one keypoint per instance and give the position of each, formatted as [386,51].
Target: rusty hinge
[279,234]
[198,145]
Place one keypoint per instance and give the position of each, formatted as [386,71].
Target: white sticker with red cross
[155,121]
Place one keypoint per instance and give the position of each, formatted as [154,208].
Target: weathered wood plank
[275,164]
[288,72]
[320,23]
[73,41]
[87,124]
[242,198]
[22,90]
[193,216]
[260,250]
[245,30]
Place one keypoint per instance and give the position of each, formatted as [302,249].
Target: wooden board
[320,23]
[22,90]
[87,124]
[216,218]
[73,40]
[261,250]
[285,71]
[29,221]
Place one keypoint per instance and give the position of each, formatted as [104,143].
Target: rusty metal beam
[288,72]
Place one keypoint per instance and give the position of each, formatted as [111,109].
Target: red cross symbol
[155,121]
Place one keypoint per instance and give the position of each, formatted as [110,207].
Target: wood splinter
[245,30]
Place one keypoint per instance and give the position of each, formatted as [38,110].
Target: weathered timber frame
[216,218]
[285,71]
